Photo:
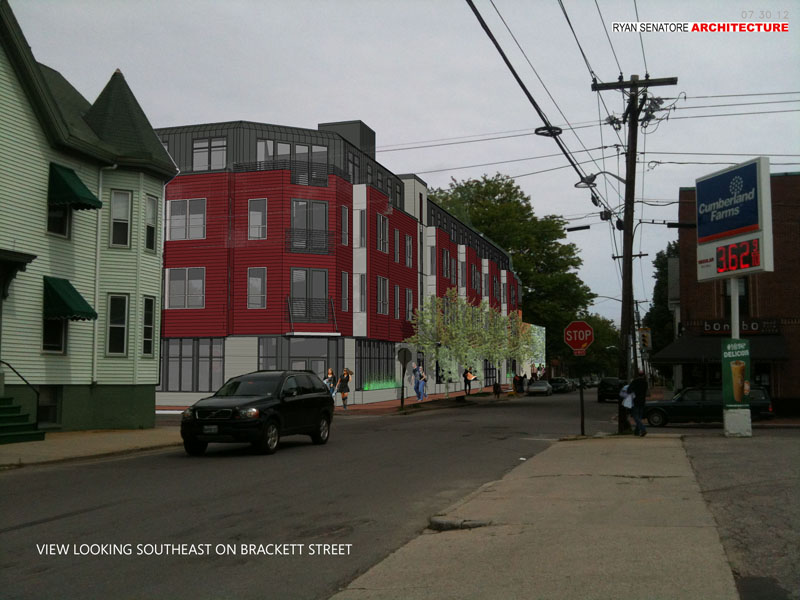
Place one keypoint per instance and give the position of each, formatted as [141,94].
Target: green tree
[552,293]
[659,318]
[603,354]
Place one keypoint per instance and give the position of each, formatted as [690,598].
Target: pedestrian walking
[423,380]
[331,381]
[638,388]
[468,377]
[496,389]
[415,371]
[343,386]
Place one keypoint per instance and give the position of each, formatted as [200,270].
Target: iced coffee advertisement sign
[736,373]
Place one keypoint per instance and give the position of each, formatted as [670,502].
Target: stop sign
[578,335]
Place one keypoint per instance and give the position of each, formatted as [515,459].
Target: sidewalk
[608,518]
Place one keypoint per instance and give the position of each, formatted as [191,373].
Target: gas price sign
[734,221]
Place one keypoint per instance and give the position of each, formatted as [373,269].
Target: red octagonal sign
[578,335]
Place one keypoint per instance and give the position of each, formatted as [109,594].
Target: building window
[257,219]
[383,234]
[397,245]
[433,260]
[309,228]
[495,288]
[267,353]
[345,291]
[148,325]
[117,333]
[446,264]
[485,284]
[58,220]
[409,304]
[120,218]
[382,307]
[503,292]
[257,287]
[186,287]
[150,222]
[54,335]
[209,153]
[309,295]
[265,150]
[354,167]
[186,219]
[345,226]
[409,251]
[462,274]
[397,302]
[374,365]
[380,180]
[362,292]
[362,228]
[454,270]
[192,365]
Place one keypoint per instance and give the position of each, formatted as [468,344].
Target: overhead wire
[608,37]
[641,42]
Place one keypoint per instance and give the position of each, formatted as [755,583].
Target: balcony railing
[308,241]
[303,172]
[308,310]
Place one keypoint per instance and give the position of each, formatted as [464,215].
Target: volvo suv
[260,408]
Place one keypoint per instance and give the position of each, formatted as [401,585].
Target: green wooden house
[81,216]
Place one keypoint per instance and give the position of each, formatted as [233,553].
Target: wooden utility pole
[627,364]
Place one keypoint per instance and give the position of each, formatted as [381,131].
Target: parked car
[608,389]
[560,384]
[540,386]
[701,404]
[260,408]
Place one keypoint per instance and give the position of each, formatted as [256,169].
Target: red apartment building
[294,248]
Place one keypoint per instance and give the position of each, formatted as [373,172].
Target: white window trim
[147,199]
[109,326]
[345,216]
[187,227]
[345,291]
[111,219]
[153,340]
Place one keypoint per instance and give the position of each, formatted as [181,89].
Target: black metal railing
[308,310]
[28,383]
[308,241]
[303,172]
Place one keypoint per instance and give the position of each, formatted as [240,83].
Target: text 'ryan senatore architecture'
[695,27]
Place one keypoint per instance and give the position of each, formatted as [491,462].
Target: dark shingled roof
[113,130]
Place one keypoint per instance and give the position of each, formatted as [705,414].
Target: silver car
[540,386]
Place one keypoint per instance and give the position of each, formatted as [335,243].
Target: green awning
[63,301]
[66,189]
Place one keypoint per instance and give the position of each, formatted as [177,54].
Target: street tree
[659,317]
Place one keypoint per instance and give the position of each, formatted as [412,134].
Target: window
[58,219]
[462,275]
[380,180]
[446,264]
[265,150]
[485,284]
[433,261]
[495,288]
[362,292]
[148,325]
[209,153]
[345,291]
[503,292]
[382,307]
[309,231]
[120,218]
[117,333]
[409,304]
[150,222]
[383,234]
[397,245]
[192,365]
[54,335]
[409,252]
[374,365]
[475,278]
[309,295]
[186,219]
[186,287]
[353,167]
[397,302]
[345,226]
[454,270]
[362,228]
[257,219]
[284,154]
[257,287]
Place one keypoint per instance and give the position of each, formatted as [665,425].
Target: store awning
[63,301]
[698,349]
[65,188]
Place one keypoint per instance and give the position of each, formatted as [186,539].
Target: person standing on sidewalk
[344,388]
[423,380]
[331,381]
[638,387]
[415,371]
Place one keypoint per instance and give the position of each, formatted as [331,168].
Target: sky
[424,73]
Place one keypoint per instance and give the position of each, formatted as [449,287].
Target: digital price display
[738,256]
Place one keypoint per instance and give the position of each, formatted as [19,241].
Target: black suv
[259,408]
[608,389]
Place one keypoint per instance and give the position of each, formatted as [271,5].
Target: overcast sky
[419,72]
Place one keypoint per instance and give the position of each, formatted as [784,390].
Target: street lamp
[587,181]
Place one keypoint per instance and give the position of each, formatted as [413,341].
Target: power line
[765,112]
[731,104]
[501,162]
[608,37]
[577,41]
[641,42]
[685,97]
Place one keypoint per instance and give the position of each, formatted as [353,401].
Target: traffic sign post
[579,335]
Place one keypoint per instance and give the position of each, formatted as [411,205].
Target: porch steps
[16,426]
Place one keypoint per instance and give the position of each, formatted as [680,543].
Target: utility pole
[626,365]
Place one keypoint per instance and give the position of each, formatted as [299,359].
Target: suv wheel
[194,447]
[270,439]
[323,432]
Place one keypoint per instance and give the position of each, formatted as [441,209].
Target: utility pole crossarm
[640,83]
